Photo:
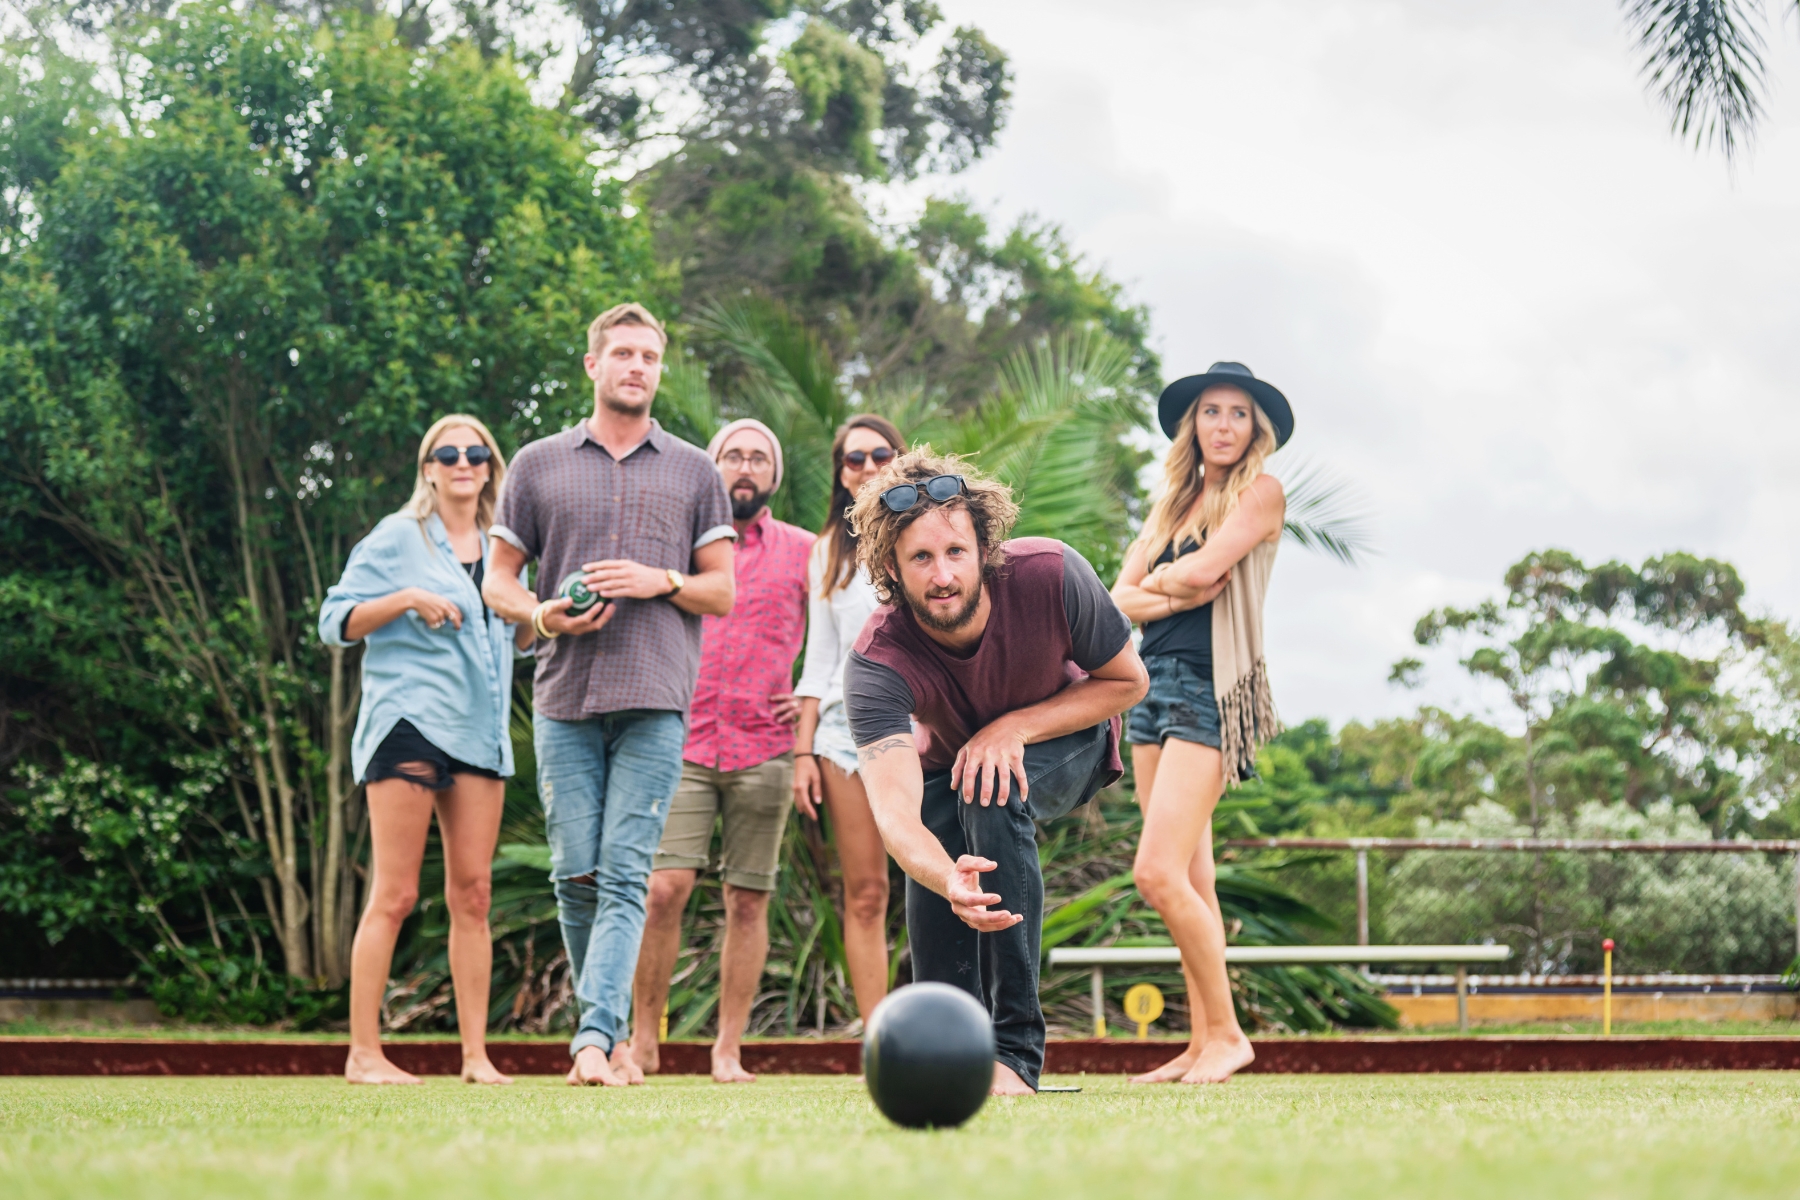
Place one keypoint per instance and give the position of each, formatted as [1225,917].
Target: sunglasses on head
[882,455]
[449,454]
[939,488]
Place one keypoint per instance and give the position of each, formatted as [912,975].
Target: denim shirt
[454,685]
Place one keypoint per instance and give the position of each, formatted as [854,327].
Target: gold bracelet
[537,622]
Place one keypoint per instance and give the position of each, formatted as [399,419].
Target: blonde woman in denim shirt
[432,732]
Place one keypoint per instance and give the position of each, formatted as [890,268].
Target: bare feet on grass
[726,1068]
[592,1069]
[372,1066]
[627,1066]
[1008,1083]
[1219,1061]
[1172,1070]
[480,1070]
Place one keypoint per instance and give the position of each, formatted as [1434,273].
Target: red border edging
[1286,1056]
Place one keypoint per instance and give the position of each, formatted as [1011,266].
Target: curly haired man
[984,694]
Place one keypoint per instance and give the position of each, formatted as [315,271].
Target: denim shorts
[1180,705]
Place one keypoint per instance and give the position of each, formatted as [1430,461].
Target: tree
[1614,672]
[228,310]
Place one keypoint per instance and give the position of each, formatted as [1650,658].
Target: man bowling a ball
[1012,664]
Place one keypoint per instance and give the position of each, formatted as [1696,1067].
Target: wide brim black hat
[1180,395]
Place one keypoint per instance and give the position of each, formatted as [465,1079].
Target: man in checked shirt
[643,517]
[738,767]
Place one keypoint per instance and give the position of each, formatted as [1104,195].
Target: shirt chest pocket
[656,523]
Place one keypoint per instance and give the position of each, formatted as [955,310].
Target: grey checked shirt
[566,501]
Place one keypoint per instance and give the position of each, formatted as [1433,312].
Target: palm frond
[786,379]
[684,401]
[1324,514]
[1704,60]
[1052,433]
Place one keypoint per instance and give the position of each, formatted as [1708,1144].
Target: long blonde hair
[1183,478]
[424,497]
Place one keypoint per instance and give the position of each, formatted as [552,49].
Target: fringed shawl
[1240,676]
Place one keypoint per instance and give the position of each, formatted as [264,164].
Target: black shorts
[404,746]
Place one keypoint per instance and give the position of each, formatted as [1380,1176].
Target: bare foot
[372,1066]
[1220,1061]
[480,1070]
[625,1064]
[727,1069]
[1172,1070]
[593,1070]
[1008,1083]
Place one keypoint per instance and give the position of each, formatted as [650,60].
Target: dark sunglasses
[938,487]
[449,454]
[882,456]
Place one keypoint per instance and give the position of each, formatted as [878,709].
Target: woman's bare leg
[469,820]
[864,862]
[1186,786]
[1144,761]
[399,819]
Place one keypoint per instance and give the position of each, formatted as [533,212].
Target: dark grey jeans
[1001,969]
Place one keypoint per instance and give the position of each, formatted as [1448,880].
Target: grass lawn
[1618,1135]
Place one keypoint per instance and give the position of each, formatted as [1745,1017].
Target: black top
[477,571]
[1186,635]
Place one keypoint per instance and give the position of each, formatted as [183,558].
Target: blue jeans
[606,783]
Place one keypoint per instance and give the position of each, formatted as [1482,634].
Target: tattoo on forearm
[876,749]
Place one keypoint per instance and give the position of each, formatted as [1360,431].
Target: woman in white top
[824,755]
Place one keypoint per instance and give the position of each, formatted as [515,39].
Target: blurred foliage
[231,298]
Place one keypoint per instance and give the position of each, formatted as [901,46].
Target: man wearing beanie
[738,767]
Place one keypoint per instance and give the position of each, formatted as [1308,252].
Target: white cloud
[1504,300]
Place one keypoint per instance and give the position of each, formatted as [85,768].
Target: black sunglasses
[449,454]
[882,456]
[939,487]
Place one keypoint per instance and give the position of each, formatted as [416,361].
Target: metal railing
[1682,907]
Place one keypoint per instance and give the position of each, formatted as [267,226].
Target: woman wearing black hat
[1195,581]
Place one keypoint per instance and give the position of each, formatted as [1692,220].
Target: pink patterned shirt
[748,656]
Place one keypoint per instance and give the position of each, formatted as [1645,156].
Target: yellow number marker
[1143,1004]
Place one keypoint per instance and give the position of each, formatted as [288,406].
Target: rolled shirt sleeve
[371,573]
[712,515]
[515,517]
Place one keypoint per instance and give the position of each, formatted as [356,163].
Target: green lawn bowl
[583,600]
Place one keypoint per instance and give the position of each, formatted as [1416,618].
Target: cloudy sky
[1505,303]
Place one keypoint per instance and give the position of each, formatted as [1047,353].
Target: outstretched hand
[970,903]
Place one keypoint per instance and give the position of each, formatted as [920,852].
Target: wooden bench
[1101,957]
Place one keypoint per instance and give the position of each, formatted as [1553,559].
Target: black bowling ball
[928,1056]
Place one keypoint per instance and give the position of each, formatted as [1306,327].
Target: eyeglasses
[448,455]
[737,460]
[882,455]
[939,487]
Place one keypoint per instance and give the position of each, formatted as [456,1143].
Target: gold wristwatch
[677,581]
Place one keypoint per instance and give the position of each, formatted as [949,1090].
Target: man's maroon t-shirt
[1050,622]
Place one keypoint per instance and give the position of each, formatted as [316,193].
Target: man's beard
[743,510]
[944,622]
[625,408]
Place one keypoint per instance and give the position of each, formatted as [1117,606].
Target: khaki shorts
[754,803]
